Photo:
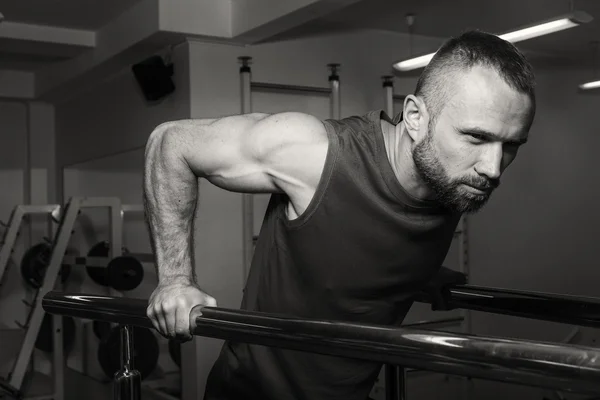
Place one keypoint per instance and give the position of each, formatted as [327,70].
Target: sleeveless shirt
[358,253]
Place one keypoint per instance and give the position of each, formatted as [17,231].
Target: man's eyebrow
[489,135]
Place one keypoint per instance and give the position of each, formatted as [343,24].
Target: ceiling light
[553,25]
[590,85]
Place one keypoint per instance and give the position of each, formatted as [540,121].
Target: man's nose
[490,164]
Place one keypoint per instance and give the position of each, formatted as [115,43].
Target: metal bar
[335,111]
[436,323]
[58,360]
[127,381]
[246,87]
[103,261]
[35,320]
[116,232]
[278,87]
[539,364]
[126,208]
[119,310]
[39,209]
[9,239]
[582,311]
[399,97]
[388,94]
[395,382]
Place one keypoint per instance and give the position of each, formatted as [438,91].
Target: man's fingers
[169,311]
[182,327]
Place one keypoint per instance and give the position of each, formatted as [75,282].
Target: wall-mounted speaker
[154,78]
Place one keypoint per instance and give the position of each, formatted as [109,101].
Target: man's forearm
[170,196]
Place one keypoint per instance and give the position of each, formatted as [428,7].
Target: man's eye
[476,136]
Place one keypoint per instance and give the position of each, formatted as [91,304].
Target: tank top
[358,253]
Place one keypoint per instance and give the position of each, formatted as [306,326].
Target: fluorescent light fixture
[590,85]
[557,24]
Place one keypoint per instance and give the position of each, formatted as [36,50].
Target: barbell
[122,273]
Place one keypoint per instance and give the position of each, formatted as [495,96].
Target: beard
[450,193]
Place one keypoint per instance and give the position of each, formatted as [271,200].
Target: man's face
[475,138]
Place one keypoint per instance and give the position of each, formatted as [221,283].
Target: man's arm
[253,153]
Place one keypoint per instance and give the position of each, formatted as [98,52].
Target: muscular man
[361,217]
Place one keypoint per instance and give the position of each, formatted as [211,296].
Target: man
[361,217]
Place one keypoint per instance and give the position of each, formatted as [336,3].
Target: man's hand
[170,305]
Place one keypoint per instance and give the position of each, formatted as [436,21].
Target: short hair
[461,53]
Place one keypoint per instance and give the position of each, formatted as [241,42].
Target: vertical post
[247,199]
[127,381]
[395,382]
[58,359]
[463,261]
[388,94]
[116,234]
[334,82]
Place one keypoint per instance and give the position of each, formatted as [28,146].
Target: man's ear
[416,117]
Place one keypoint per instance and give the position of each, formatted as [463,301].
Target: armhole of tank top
[330,161]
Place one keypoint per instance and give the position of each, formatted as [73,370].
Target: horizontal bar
[276,87]
[540,364]
[436,323]
[103,261]
[132,208]
[582,311]
[399,97]
[119,310]
[39,209]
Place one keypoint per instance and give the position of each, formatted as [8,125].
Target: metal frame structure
[59,245]
[9,240]
[246,89]
[573,369]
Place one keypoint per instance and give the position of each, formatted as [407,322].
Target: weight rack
[13,384]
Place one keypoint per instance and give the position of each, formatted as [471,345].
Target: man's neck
[398,145]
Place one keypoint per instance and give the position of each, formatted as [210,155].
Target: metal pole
[535,364]
[127,381]
[334,82]
[395,382]
[247,199]
[388,93]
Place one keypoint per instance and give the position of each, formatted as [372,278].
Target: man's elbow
[161,140]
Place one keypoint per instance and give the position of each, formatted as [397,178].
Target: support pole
[128,381]
[334,82]
[247,199]
[395,382]
[388,94]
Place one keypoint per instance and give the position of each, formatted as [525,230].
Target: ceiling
[434,18]
[445,18]
[78,14]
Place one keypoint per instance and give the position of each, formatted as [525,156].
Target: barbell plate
[35,262]
[145,352]
[125,273]
[101,329]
